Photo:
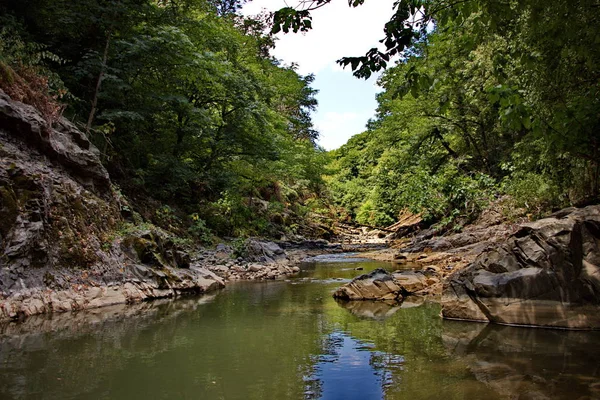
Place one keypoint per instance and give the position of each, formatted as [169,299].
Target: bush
[537,193]
[198,229]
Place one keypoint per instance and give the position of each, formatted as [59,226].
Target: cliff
[59,215]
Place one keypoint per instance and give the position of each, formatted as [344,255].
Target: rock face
[58,216]
[264,252]
[546,274]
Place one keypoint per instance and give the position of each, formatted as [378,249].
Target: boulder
[264,252]
[381,285]
[376,285]
[546,274]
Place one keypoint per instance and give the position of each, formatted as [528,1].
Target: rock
[410,281]
[223,251]
[255,268]
[473,238]
[63,144]
[154,247]
[376,285]
[381,285]
[272,274]
[264,252]
[546,274]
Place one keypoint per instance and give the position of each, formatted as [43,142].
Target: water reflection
[379,310]
[289,340]
[350,369]
[344,268]
[528,363]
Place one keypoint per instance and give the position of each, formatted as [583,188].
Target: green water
[290,340]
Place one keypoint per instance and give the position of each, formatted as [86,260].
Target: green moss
[7,73]
[78,206]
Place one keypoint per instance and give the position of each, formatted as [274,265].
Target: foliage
[491,99]
[183,99]
[188,107]
[24,75]
[240,248]
[199,230]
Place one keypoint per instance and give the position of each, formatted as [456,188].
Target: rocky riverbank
[70,240]
[544,273]
[65,247]
[58,218]
[433,257]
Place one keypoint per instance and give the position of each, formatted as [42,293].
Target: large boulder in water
[376,285]
[381,285]
[546,274]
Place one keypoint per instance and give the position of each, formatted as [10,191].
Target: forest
[484,104]
[493,103]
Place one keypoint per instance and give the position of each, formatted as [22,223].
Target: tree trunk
[98,84]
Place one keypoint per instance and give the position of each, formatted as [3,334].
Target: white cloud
[337,127]
[338,31]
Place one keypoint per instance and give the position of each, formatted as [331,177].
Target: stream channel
[290,340]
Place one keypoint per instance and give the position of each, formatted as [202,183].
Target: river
[290,340]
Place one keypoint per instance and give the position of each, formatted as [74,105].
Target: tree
[498,97]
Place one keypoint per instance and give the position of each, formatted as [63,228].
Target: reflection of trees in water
[340,354]
[387,366]
[74,350]
[261,341]
[230,348]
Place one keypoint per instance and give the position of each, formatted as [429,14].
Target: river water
[290,340]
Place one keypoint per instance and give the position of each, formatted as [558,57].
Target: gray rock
[546,274]
[255,268]
[64,143]
[263,251]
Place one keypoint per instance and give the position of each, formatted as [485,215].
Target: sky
[346,103]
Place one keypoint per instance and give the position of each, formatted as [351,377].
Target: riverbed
[290,339]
